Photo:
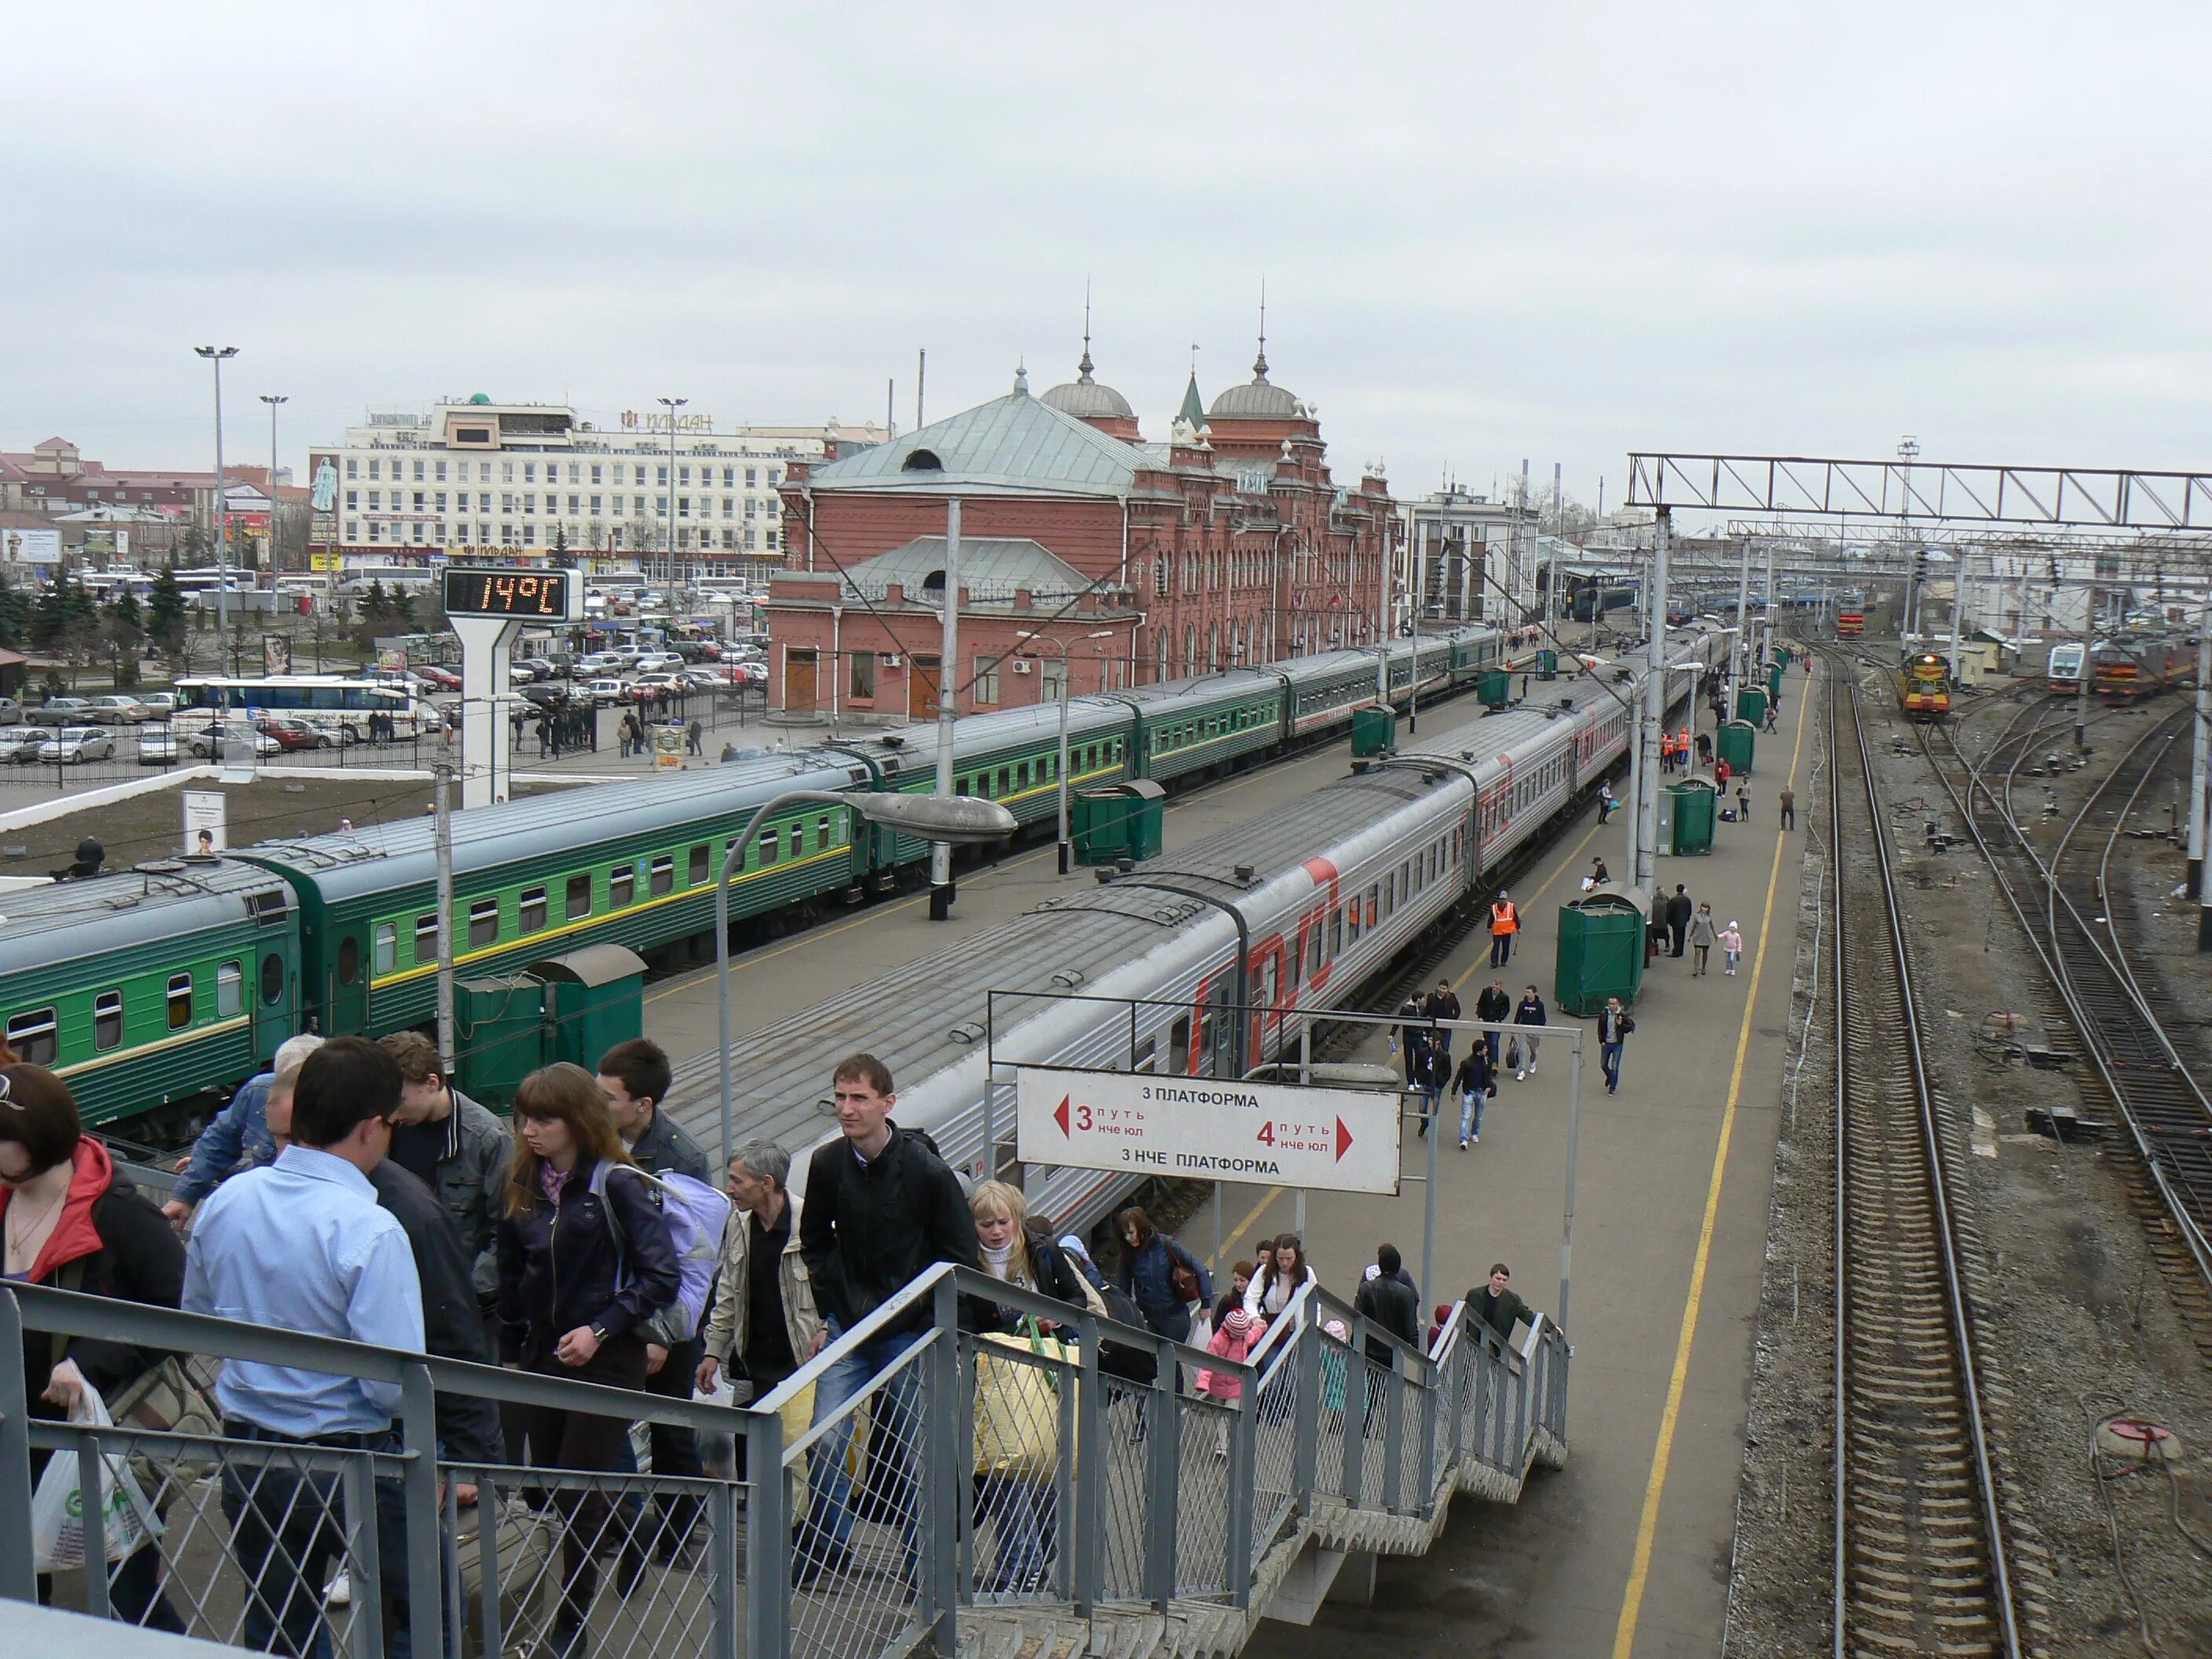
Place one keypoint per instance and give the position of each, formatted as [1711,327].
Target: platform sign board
[206,829]
[1138,1122]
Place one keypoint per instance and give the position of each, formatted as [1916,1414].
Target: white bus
[328,703]
[414,578]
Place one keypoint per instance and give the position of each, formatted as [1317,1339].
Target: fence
[932,1473]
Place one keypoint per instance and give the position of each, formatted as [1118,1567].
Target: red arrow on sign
[1060,1116]
[1343,1140]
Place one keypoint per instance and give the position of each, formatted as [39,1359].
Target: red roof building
[1229,546]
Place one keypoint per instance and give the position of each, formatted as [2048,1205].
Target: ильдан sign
[1339,1140]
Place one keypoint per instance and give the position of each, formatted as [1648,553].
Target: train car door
[347,992]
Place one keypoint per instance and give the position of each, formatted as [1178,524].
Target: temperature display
[489,591]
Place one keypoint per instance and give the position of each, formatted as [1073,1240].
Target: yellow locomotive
[1923,686]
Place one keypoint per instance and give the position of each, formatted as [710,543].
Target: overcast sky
[1561,233]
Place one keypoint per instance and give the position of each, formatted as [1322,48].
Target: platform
[1625,1551]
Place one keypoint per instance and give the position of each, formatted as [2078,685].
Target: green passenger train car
[156,988]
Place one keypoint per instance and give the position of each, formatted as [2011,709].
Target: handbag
[167,1399]
[1184,1278]
[1017,1406]
[1513,1053]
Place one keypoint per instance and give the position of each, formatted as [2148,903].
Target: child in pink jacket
[1239,1334]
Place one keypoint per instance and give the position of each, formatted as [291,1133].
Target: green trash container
[1773,684]
[1601,950]
[1696,802]
[1751,704]
[1547,664]
[1118,820]
[1495,688]
[594,999]
[1782,656]
[1374,731]
[499,1035]
[1733,744]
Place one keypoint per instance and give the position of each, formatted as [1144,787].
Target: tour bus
[328,703]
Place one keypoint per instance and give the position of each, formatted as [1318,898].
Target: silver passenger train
[1139,974]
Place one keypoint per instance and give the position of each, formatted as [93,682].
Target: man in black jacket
[881,1208]
[1494,1007]
[1679,909]
[1390,1303]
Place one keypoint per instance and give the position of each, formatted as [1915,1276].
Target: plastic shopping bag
[57,1506]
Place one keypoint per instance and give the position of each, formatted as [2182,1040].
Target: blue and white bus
[328,703]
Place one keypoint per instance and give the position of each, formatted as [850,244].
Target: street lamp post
[672,404]
[274,522]
[1067,695]
[215,355]
[952,820]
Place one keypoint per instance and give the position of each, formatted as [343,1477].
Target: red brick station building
[1229,545]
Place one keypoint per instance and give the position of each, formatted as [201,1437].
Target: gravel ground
[2074,1321]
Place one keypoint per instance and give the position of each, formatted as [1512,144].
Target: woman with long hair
[1279,1279]
[584,1258]
[1020,1507]
[1149,1260]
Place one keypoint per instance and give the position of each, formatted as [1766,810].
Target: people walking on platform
[1237,1335]
[1410,1041]
[345,1270]
[74,1220]
[237,1138]
[1720,772]
[1731,947]
[1704,749]
[1614,1022]
[1430,1073]
[1743,804]
[1679,912]
[1161,1277]
[881,1208]
[1497,1305]
[1021,1509]
[1475,1083]
[1787,798]
[1240,1281]
[695,737]
[1665,751]
[1702,934]
[1390,1303]
[1606,802]
[1505,922]
[455,1147]
[1443,1003]
[1494,1007]
[1530,1012]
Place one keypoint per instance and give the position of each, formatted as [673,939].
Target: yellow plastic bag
[1018,1407]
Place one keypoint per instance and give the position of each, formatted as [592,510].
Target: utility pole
[275,519]
[2200,779]
[1959,556]
[1766,623]
[215,355]
[1413,689]
[921,382]
[941,890]
[2082,694]
[442,832]
[672,404]
[1643,846]
[1908,451]
[1740,658]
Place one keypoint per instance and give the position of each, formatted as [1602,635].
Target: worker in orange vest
[1665,751]
[1682,749]
[1505,922]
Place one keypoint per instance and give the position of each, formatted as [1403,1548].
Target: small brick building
[1228,545]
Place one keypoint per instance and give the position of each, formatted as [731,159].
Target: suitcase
[529,1576]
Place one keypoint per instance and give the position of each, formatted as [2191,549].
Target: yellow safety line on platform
[1639,1569]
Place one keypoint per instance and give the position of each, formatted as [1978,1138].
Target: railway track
[1924,1551]
[2064,906]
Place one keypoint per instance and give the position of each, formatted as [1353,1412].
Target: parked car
[658,662]
[606,691]
[115,710]
[651,685]
[159,705]
[699,679]
[293,733]
[545,696]
[519,675]
[11,712]
[754,672]
[157,745]
[599,662]
[209,744]
[442,679]
[22,744]
[61,711]
[73,745]
[538,667]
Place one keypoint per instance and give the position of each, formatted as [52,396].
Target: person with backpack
[635,1077]
[576,1297]
[1161,1277]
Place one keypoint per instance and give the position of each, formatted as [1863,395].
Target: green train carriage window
[580,897]
[181,1001]
[622,885]
[663,875]
[229,990]
[426,938]
[696,874]
[349,973]
[529,910]
[35,1036]
[272,975]
[768,847]
[107,1019]
[483,923]
[385,956]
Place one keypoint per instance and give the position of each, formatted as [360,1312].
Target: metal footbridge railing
[919,1486]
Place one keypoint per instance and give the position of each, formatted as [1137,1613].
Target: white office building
[475,477]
